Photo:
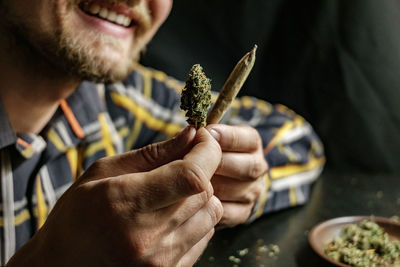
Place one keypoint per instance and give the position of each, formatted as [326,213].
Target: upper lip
[119,8]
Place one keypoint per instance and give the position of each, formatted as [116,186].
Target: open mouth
[110,13]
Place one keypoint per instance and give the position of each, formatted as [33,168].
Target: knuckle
[141,249]
[139,253]
[150,153]
[254,192]
[243,219]
[258,140]
[194,178]
[215,210]
[235,139]
[96,167]
[254,136]
[258,168]
[152,258]
[215,147]
[99,163]
[174,222]
[258,189]
[104,195]
[203,197]
[233,219]
[222,164]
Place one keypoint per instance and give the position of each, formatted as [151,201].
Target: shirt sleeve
[149,105]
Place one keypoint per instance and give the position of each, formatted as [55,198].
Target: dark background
[335,62]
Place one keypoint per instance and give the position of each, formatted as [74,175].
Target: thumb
[155,155]
[149,157]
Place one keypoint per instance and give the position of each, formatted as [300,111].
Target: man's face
[88,39]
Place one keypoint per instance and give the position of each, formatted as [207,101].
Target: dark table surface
[333,195]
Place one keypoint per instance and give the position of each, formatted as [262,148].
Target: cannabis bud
[196,97]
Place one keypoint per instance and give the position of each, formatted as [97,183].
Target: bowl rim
[313,234]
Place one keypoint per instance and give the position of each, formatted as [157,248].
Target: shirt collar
[7,134]
[85,104]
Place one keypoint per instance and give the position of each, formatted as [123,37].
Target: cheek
[160,10]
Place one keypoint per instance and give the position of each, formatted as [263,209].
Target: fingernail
[215,134]
[192,132]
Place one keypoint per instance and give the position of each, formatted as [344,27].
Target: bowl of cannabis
[359,241]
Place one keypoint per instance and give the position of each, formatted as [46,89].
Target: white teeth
[120,20]
[94,9]
[112,16]
[103,13]
[109,15]
[127,21]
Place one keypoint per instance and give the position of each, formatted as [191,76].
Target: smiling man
[86,179]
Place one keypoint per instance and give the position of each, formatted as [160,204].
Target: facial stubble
[64,50]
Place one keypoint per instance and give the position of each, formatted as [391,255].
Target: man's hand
[149,207]
[238,180]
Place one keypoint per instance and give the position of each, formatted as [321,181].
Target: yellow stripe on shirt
[263,197]
[247,102]
[265,107]
[27,152]
[292,196]
[291,169]
[56,140]
[41,204]
[285,127]
[106,136]
[298,121]
[19,218]
[137,124]
[93,148]
[144,115]
[72,156]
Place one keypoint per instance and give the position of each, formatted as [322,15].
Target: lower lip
[105,26]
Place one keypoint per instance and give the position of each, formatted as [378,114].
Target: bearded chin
[83,60]
[65,52]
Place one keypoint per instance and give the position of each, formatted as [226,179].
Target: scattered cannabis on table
[364,244]
[196,97]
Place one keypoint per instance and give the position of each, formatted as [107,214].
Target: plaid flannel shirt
[100,120]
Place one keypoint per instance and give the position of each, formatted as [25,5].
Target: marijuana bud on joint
[196,97]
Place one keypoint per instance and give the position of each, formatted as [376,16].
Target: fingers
[242,166]
[199,225]
[190,258]
[184,244]
[235,138]
[151,156]
[227,189]
[234,214]
[144,159]
[242,158]
[174,181]
[206,153]
[175,215]
[158,154]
